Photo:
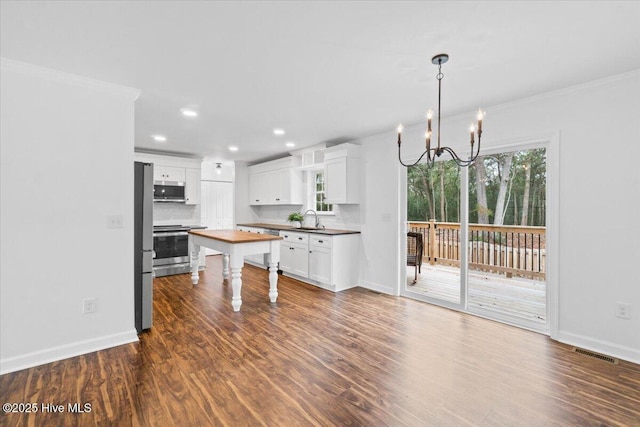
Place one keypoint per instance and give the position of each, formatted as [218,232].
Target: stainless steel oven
[171,248]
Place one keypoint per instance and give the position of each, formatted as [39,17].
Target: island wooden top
[234,236]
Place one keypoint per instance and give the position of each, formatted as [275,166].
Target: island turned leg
[273,281]
[236,285]
[195,258]
[225,266]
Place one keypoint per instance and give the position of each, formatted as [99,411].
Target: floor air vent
[595,355]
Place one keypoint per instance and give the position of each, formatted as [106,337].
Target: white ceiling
[323,71]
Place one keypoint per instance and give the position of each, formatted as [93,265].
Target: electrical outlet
[89,305]
[623,311]
[115,221]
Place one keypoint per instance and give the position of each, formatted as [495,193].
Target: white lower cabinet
[294,257]
[320,265]
[330,262]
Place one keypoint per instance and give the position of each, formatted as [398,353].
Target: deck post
[432,242]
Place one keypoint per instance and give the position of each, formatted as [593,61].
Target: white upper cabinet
[192,186]
[276,183]
[176,169]
[168,173]
[342,174]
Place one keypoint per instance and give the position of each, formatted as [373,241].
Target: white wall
[67,164]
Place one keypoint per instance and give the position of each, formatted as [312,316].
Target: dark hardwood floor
[319,358]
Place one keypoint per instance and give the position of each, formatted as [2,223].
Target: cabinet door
[286,257]
[282,184]
[192,186]
[269,187]
[174,174]
[320,264]
[256,185]
[300,259]
[168,173]
[216,212]
[158,173]
[335,176]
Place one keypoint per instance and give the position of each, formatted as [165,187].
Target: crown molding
[49,74]
[568,90]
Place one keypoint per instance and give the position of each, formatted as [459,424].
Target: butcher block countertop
[326,231]
[234,236]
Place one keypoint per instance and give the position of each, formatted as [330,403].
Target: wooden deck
[524,298]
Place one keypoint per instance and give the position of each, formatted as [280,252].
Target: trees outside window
[504,189]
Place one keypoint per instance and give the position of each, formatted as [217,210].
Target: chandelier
[434,152]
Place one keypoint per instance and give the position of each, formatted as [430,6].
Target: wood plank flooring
[516,296]
[316,358]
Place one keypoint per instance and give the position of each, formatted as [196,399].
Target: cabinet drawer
[294,237]
[320,241]
[251,229]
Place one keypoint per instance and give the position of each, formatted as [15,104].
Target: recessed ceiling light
[290,144]
[233,148]
[189,113]
[278,131]
[159,138]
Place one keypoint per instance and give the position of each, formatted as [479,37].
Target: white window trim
[310,193]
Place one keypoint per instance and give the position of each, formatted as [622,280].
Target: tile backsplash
[346,217]
[175,213]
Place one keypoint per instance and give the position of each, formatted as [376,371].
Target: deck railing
[508,249]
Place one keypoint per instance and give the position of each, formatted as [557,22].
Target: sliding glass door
[507,237]
[484,236]
[433,213]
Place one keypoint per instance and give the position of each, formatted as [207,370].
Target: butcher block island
[235,245]
[327,258]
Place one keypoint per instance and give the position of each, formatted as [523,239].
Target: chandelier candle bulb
[399,133]
[480,117]
[429,116]
[471,130]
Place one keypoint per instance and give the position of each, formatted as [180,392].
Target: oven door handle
[177,233]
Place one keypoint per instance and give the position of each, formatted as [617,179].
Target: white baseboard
[372,286]
[603,347]
[53,354]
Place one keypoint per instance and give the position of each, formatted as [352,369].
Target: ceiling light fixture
[432,153]
[290,144]
[219,168]
[278,131]
[159,138]
[189,113]
[233,148]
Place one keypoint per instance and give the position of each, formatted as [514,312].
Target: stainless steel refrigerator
[143,245]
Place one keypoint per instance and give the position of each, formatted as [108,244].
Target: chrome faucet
[317,224]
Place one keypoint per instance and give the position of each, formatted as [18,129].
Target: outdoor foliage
[509,189]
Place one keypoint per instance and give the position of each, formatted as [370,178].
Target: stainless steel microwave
[168,191]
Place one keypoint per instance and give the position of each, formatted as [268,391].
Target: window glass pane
[321,206]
